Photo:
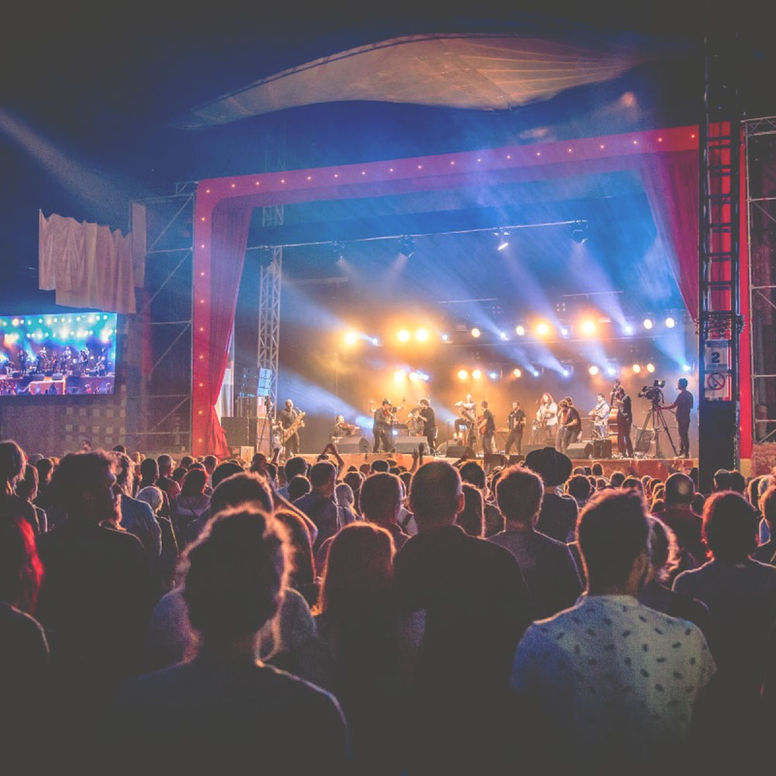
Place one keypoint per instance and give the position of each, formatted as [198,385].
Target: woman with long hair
[192,502]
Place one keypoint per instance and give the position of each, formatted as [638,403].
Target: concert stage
[655,467]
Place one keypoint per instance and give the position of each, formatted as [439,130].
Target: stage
[655,467]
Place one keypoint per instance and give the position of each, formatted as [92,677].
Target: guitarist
[516,420]
[288,416]
[487,428]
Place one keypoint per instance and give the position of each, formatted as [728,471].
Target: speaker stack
[354,444]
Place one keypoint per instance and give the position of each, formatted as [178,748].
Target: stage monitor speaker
[354,444]
[240,432]
[492,460]
[530,448]
[459,451]
[580,450]
[602,448]
[406,444]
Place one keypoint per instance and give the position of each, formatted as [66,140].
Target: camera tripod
[656,417]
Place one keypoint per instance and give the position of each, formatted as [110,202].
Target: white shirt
[610,668]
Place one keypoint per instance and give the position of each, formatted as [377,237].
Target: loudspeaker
[240,432]
[530,448]
[458,451]
[246,407]
[354,444]
[406,444]
[602,448]
[580,450]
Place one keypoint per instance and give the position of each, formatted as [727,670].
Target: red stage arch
[667,160]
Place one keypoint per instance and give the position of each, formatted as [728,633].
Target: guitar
[296,424]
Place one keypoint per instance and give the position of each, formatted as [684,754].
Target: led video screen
[58,355]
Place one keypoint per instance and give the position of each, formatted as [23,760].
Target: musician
[570,423]
[341,428]
[429,423]
[600,415]
[487,427]
[624,420]
[516,421]
[381,430]
[287,416]
[683,404]
[547,415]
[466,420]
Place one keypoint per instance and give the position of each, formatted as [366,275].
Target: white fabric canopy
[475,71]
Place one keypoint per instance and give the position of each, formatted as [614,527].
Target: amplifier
[353,444]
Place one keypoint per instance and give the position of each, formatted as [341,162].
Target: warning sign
[717,387]
[715,381]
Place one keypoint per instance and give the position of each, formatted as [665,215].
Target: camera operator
[683,404]
[624,419]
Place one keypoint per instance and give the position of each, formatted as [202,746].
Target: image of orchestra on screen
[58,355]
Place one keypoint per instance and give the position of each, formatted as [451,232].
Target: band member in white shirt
[600,415]
[547,415]
[464,424]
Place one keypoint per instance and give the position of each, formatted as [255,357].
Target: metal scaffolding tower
[760,144]
[719,321]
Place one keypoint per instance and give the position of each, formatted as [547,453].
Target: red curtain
[671,183]
[230,238]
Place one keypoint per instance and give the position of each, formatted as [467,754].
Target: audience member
[679,517]
[619,679]
[293,466]
[137,517]
[12,466]
[224,709]
[190,504]
[472,517]
[547,564]
[319,505]
[168,558]
[474,474]
[580,489]
[298,487]
[165,480]
[559,512]
[27,490]
[765,552]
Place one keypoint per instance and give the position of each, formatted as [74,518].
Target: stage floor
[655,467]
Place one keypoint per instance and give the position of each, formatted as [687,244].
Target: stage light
[648,323]
[593,370]
[477,374]
[399,376]
[670,323]
[520,331]
[517,373]
[627,330]
[421,335]
[476,332]
[375,341]
[503,335]
[650,368]
[686,368]
[565,372]
[636,368]
[534,371]
[564,332]
[407,246]
[351,338]
[542,329]
[611,371]
[502,238]
[445,338]
[403,335]
[588,327]
[493,375]
[462,374]
[579,232]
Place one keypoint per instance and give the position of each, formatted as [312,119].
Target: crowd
[196,615]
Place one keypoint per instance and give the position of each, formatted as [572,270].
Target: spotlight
[648,323]
[493,375]
[637,368]
[445,338]
[338,251]
[627,330]
[399,376]
[520,331]
[516,372]
[503,335]
[588,327]
[593,370]
[650,368]
[375,341]
[670,323]
[502,237]
[407,246]
[542,329]
[579,231]
[404,335]
[611,371]
[564,332]
[421,335]
[476,332]
[686,368]
[566,372]
[462,374]
[477,374]
[351,338]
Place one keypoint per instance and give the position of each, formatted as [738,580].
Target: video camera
[653,392]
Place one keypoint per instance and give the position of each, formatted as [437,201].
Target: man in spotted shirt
[610,677]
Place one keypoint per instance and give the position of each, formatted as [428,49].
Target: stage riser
[659,468]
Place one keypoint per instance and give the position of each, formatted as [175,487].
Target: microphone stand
[263,428]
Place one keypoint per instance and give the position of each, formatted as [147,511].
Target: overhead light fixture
[579,231]
[407,246]
[502,238]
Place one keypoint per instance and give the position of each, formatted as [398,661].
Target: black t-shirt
[490,423]
[683,405]
[429,417]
